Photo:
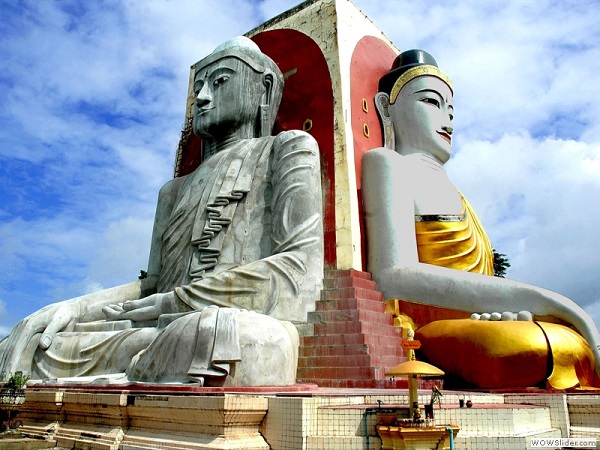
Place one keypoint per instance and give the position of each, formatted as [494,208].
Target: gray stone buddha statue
[236,255]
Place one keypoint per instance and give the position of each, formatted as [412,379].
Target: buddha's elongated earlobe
[265,120]
[382,102]
[265,109]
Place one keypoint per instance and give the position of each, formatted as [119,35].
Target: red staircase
[354,341]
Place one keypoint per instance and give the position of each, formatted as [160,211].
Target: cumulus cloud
[94,96]
[535,197]
[4,330]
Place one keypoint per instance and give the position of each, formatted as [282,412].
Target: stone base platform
[16,441]
[146,416]
[303,417]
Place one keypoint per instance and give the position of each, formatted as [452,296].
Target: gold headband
[418,71]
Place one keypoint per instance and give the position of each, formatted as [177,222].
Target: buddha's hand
[148,308]
[48,321]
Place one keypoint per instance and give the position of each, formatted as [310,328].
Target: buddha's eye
[221,80]
[451,116]
[431,101]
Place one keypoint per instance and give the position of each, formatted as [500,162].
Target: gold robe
[456,241]
[495,354]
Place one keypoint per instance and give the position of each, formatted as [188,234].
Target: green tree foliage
[501,264]
[15,382]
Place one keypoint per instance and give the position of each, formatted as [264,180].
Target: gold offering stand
[416,433]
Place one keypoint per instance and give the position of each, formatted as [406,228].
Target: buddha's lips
[445,136]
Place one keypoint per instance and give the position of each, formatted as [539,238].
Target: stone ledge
[21,443]
[126,419]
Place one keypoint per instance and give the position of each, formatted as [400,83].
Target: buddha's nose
[202,103]
[204,97]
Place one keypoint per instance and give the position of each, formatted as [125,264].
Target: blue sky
[93,97]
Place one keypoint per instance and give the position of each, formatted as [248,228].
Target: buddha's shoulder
[382,154]
[170,190]
[380,158]
[291,138]
[173,185]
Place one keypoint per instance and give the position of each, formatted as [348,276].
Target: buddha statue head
[416,107]
[237,92]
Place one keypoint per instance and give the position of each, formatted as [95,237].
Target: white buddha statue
[420,229]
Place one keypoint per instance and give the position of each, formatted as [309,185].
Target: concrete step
[341,373]
[371,329]
[498,426]
[351,292]
[333,273]
[346,339]
[584,416]
[343,282]
[351,304]
[585,433]
[490,424]
[386,362]
[496,419]
[333,350]
[521,442]
[353,315]
[584,410]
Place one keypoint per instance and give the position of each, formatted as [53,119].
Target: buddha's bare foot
[507,316]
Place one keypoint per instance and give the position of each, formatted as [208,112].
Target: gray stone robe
[239,241]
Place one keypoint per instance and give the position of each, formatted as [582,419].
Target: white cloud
[515,65]
[535,198]
[93,101]
[91,286]
[3,315]
[4,331]
[272,8]
[124,253]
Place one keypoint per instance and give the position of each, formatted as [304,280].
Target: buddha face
[228,95]
[422,118]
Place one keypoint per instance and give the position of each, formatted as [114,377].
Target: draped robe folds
[454,241]
[238,241]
